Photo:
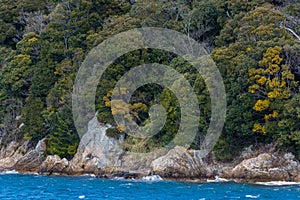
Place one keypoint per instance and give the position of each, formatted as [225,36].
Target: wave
[9,172]
[217,180]
[152,178]
[278,183]
[252,196]
[89,175]
[118,178]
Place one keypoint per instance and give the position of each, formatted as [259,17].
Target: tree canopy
[254,43]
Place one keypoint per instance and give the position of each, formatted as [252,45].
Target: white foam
[278,183]
[81,197]
[217,180]
[252,196]
[118,178]
[152,178]
[89,175]
[9,172]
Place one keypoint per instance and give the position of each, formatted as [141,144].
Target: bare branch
[293,32]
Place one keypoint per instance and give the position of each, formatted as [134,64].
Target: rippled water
[17,186]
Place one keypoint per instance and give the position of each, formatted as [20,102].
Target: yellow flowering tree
[271,83]
[135,109]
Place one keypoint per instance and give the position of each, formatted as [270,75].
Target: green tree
[62,138]
[17,75]
[289,137]
[33,120]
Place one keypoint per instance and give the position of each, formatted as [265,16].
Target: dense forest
[254,43]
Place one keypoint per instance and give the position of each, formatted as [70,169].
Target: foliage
[272,85]
[62,138]
[289,125]
[43,43]
[249,48]
[33,120]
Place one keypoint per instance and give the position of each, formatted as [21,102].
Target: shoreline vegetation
[254,44]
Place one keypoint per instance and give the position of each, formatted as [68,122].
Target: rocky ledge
[101,155]
[267,167]
[18,157]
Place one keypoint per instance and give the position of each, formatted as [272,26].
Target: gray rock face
[10,155]
[33,159]
[96,151]
[178,163]
[267,167]
[101,155]
[18,157]
[140,162]
[54,165]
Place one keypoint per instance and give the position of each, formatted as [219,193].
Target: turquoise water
[17,186]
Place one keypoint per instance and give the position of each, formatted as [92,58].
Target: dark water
[17,186]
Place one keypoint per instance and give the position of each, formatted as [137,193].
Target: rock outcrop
[96,151]
[11,154]
[178,163]
[267,167]
[19,157]
[101,155]
[140,162]
[54,165]
[32,160]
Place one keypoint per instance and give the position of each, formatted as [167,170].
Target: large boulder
[96,151]
[54,165]
[179,163]
[267,167]
[140,162]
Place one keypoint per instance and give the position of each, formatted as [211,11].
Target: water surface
[18,186]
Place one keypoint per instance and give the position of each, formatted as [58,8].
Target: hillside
[254,43]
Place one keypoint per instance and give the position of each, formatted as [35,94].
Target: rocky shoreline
[100,155]
[265,167]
